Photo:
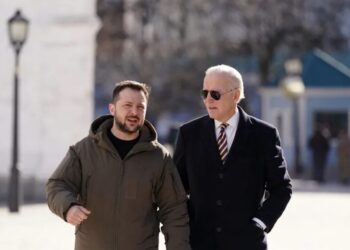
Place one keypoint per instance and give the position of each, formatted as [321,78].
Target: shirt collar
[233,121]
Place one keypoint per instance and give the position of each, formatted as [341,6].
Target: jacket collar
[98,131]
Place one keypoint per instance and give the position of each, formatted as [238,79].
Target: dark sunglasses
[216,95]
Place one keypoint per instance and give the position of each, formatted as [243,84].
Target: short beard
[123,127]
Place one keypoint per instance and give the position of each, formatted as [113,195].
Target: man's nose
[133,110]
[209,98]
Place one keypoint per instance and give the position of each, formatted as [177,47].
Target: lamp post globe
[293,87]
[18,30]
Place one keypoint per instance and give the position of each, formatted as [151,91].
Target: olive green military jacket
[128,198]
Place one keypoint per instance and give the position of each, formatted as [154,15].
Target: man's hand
[77,214]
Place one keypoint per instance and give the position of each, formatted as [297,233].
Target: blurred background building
[324,105]
[77,50]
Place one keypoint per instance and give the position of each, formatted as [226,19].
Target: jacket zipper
[117,206]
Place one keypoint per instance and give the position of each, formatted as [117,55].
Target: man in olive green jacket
[118,184]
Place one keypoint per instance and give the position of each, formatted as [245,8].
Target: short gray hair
[230,72]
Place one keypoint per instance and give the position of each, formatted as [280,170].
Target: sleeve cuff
[262,224]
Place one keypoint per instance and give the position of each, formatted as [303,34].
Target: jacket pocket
[177,186]
[85,190]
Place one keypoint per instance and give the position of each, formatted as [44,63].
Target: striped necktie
[222,142]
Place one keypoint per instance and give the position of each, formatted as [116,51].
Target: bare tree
[170,43]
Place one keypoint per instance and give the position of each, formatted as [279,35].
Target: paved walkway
[317,218]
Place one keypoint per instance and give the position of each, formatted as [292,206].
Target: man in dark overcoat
[233,169]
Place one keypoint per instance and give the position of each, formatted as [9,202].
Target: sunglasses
[216,95]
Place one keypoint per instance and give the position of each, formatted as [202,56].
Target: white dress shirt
[230,130]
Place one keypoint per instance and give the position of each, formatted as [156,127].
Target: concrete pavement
[34,228]
[317,218]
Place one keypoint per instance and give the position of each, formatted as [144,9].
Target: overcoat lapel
[210,143]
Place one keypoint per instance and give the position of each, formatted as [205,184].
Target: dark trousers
[319,164]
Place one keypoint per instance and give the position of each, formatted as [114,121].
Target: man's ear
[236,95]
[111,108]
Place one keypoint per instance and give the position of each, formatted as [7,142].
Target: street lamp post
[17,30]
[293,87]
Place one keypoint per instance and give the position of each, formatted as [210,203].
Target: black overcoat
[223,198]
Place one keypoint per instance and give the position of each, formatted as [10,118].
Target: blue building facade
[326,102]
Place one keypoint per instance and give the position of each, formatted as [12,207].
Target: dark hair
[132,85]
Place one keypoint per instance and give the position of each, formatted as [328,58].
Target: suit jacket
[223,198]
